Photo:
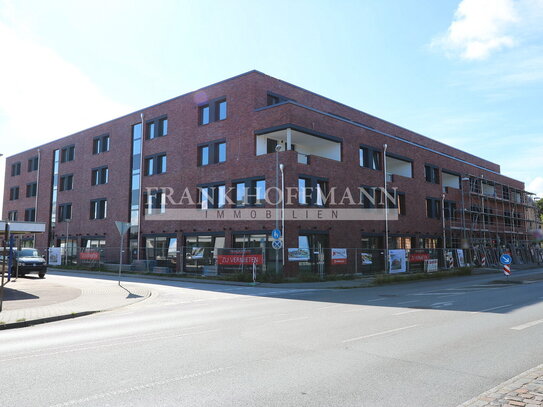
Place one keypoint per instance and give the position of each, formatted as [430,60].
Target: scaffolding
[493,214]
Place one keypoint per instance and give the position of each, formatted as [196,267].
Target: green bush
[399,278]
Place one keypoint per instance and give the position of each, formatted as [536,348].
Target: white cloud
[479,28]
[536,186]
[44,97]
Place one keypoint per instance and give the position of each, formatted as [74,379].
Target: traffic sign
[506,259]
[276,234]
[277,244]
[507,270]
[122,226]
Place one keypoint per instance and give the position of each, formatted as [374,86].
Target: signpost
[277,244]
[506,260]
[123,228]
[276,234]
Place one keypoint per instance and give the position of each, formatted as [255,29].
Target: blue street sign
[276,233]
[277,244]
[506,259]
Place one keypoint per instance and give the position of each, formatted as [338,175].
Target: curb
[38,321]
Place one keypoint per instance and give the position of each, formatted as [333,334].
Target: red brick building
[222,139]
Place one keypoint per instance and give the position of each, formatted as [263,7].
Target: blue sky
[468,73]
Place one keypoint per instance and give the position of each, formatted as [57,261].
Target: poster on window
[298,254]
[396,261]
[55,256]
[460,256]
[339,256]
[197,253]
[366,259]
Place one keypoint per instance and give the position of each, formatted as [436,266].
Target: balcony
[305,142]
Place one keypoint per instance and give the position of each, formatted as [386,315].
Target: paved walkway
[524,390]
[29,301]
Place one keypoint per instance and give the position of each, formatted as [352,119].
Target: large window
[98,208]
[13,193]
[312,190]
[12,216]
[431,173]
[66,182]
[212,153]
[31,189]
[370,158]
[156,128]
[155,202]
[100,176]
[155,164]
[33,164]
[433,208]
[250,191]
[212,196]
[215,110]
[64,212]
[15,169]
[449,210]
[100,144]
[67,154]
[30,215]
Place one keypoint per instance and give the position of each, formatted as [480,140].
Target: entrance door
[317,243]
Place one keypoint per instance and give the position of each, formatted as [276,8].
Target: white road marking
[431,293]
[291,319]
[492,309]
[408,302]
[442,304]
[331,306]
[408,312]
[377,299]
[379,333]
[527,325]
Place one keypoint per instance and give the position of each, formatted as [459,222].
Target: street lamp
[277,149]
[282,167]
[386,205]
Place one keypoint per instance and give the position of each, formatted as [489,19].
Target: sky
[467,73]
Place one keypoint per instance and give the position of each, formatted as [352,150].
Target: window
[370,158]
[241,194]
[12,216]
[212,196]
[67,154]
[13,193]
[66,182]
[100,144]
[212,153]
[431,173]
[155,202]
[250,191]
[274,99]
[15,169]
[312,190]
[31,189]
[433,208]
[402,210]
[155,164]
[449,210]
[30,215]
[507,218]
[506,193]
[98,208]
[156,128]
[367,197]
[64,212]
[215,110]
[33,164]
[100,176]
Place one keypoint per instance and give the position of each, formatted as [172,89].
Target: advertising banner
[460,256]
[197,253]
[366,259]
[339,256]
[89,256]
[396,259]
[55,256]
[418,257]
[238,257]
[430,265]
[298,254]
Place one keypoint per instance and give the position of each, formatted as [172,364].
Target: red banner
[95,256]
[418,257]
[239,259]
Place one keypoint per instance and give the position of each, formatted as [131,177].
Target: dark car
[28,260]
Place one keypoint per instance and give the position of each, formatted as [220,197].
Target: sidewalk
[524,390]
[29,301]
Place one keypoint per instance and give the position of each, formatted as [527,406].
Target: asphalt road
[432,343]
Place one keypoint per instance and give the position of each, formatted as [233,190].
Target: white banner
[396,261]
[55,256]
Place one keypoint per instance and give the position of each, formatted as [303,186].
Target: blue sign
[277,244]
[276,233]
[506,259]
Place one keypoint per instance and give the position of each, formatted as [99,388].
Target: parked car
[26,261]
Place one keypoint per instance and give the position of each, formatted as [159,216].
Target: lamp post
[386,205]
[443,227]
[277,149]
[67,220]
[282,167]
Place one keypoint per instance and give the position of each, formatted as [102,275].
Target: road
[431,343]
